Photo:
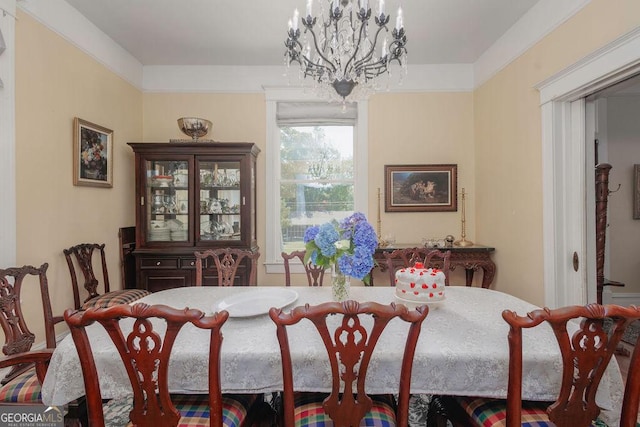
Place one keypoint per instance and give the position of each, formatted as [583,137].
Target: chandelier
[339,50]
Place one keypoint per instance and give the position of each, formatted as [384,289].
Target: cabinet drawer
[159,280]
[189,263]
[146,263]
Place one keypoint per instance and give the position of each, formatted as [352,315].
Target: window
[316,179]
[316,170]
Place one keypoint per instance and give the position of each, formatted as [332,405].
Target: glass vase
[340,284]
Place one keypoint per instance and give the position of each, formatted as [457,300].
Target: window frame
[273,259]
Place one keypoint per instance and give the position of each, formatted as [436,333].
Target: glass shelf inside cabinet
[167,193]
[219,200]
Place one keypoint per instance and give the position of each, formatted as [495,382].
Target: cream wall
[508,138]
[56,82]
[403,129]
[422,128]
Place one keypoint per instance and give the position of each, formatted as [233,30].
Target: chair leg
[261,414]
[77,415]
[437,414]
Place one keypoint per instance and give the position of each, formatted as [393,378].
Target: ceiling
[252,32]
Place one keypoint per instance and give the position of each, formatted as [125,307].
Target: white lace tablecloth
[462,350]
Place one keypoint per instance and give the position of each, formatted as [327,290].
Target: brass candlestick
[381,242]
[463,241]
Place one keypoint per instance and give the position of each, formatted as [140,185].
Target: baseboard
[620,298]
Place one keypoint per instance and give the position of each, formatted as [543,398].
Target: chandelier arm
[375,69]
[293,54]
[320,52]
[313,69]
[352,58]
[397,49]
[361,63]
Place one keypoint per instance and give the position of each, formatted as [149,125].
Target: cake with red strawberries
[419,284]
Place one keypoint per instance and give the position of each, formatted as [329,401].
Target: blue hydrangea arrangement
[348,244]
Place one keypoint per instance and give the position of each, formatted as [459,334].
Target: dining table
[462,349]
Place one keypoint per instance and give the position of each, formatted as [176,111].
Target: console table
[471,258]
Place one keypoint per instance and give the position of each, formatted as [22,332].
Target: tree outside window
[316,179]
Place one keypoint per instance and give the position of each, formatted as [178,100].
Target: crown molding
[540,20]
[66,21]
[616,61]
[235,79]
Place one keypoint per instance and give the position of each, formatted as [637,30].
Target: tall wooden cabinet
[191,197]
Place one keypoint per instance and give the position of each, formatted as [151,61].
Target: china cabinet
[190,197]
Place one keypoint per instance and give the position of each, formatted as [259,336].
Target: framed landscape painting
[421,188]
[92,154]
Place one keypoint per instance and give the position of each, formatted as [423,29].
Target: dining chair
[127,244]
[586,353]
[144,336]
[350,342]
[395,259]
[21,385]
[315,274]
[85,255]
[229,263]
[403,258]
[436,258]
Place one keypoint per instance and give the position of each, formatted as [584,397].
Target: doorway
[568,214]
[616,129]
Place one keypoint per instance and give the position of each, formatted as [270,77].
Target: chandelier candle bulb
[309,7]
[399,22]
[381,7]
[296,16]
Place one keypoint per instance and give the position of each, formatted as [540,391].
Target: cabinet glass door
[219,200]
[167,206]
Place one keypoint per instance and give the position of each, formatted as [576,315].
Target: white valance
[315,113]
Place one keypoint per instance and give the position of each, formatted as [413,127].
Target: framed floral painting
[92,154]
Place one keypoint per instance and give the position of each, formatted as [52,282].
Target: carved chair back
[145,354]
[227,262]
[127,240]
[315,274]
[18,336]
[585,356]
[83,255]
[439,259]
[350,344]
[395,259]
[402,258]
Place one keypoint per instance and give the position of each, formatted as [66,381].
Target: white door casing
[565,175]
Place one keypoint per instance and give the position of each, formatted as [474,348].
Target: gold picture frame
[421,188]
[92,154]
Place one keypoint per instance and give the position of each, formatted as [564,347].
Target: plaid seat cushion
[488,412]
[124,296]
[193,408]
[308,411]
[25,388]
